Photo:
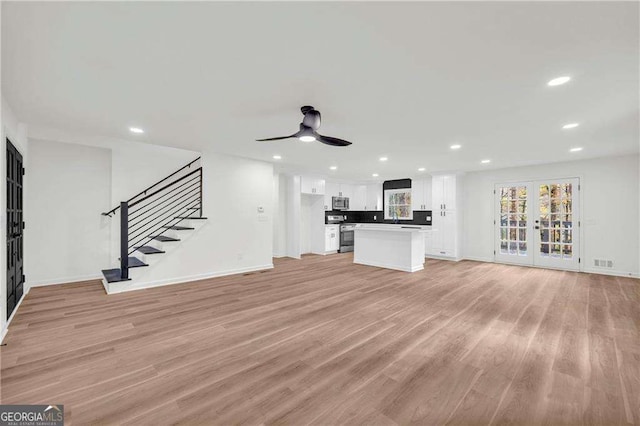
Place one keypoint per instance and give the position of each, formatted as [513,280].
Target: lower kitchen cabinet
[443,234]
[331,238]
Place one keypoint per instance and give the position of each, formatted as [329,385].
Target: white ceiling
[403,80]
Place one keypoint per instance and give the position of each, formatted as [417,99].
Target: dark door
[15,225]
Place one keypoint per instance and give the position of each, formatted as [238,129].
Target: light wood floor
[323,341]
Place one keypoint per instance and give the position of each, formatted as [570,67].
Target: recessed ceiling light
[485,161]
[383,158]
[375,175]
[277,157]
[333,167]
[559,80]
[136,130]
[421,169]
[570,126]
[575,149]
[456,146]
[307,138]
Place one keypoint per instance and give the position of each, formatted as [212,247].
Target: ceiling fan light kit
[307,133]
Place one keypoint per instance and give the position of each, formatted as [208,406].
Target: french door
[536,223]
[15,225]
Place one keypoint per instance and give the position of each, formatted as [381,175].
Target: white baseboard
[13,314]
[611,272]
[390,266]
[324,253]
[67,280]
[124,286]
[614,273]
[452,259]
[479,259]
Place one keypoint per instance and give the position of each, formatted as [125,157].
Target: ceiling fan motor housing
[311,117]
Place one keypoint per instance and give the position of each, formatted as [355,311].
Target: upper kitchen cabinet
[374,197]
[418,194]
[346,190]
[311,185]
[421,194]
[331,190]
[444,192]
[361,197]
[359,200]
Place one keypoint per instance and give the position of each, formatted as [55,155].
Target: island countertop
[392,227]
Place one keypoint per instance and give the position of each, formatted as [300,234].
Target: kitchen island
[399,247]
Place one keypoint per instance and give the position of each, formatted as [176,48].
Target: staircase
[156,217]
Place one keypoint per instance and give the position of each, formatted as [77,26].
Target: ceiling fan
[307,133]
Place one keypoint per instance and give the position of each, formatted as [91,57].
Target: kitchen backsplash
[420,217]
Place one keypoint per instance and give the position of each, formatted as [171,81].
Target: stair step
[163,238]
[178,228]
[148,250]
[188,217]
[113,275]
[134,262]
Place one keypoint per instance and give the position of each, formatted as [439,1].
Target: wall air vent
[602,263]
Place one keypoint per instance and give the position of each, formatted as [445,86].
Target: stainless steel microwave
[340,203]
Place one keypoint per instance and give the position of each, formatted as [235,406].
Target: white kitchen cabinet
[421,194]
[331,190]
[444,192]
[359,200]
[445,222]
[311,185]
[331,238]
[346,190]
[374,197]
[418,201]
[443,234]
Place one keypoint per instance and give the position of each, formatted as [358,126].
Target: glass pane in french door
[556,216]
[513,239]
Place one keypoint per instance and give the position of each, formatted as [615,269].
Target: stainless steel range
[346,237]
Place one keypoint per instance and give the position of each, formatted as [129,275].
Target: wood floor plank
[324,341]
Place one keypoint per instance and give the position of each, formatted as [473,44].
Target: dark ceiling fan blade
[276,139]
[328,140]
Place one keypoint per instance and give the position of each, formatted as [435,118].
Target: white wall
[279,215]
[293,216]
[68,239]
[305,223]
[134,167]
[12,128]
[236,237]
[137,166]
[610,209]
